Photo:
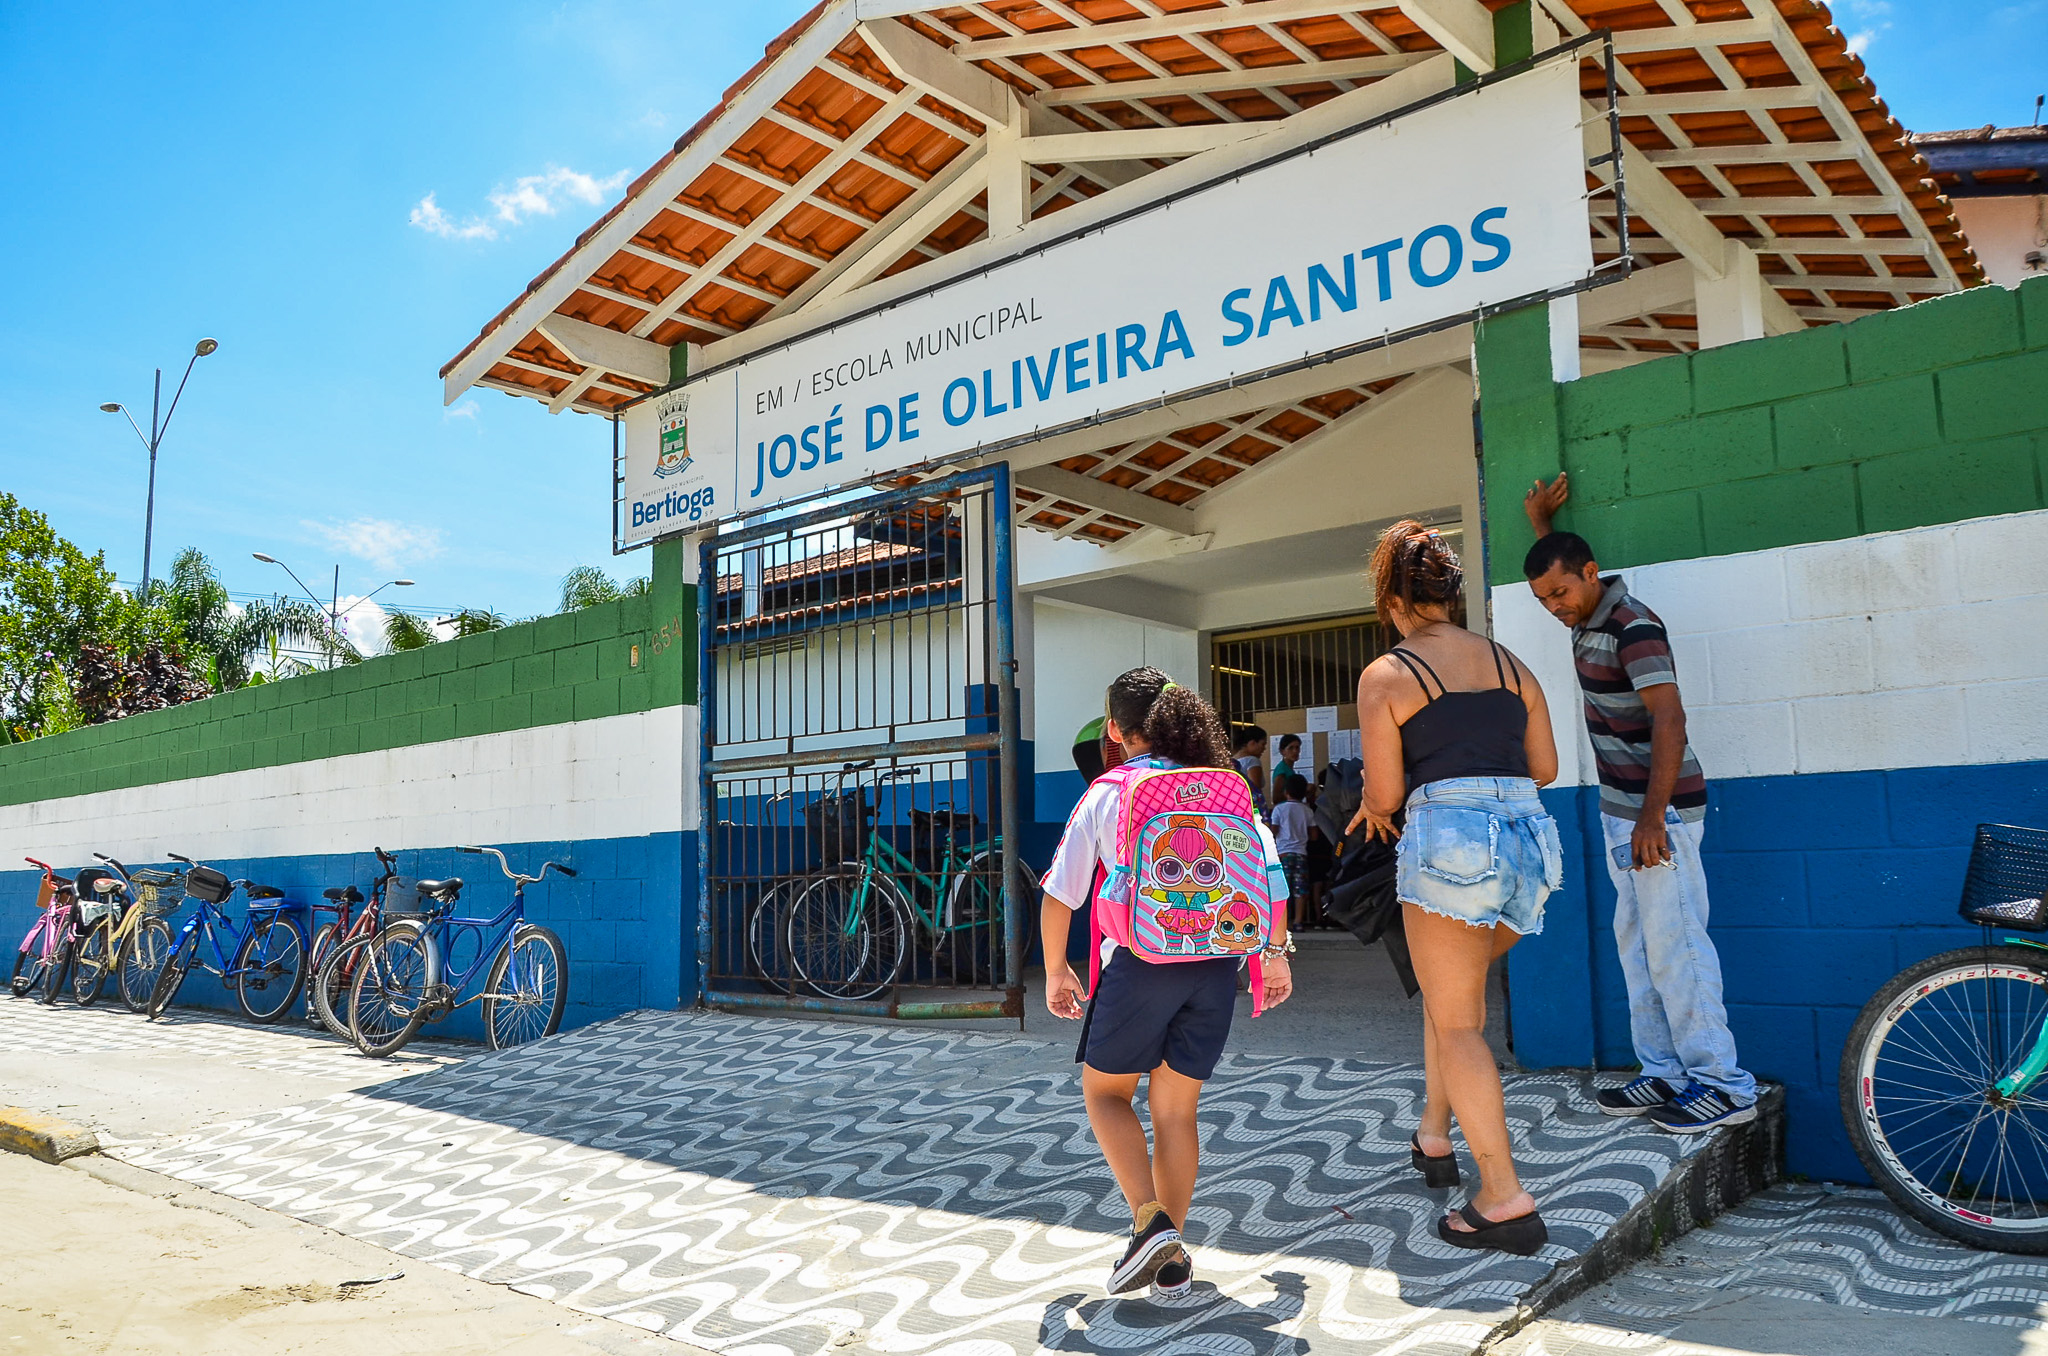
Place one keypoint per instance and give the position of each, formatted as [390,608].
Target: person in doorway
[1290,750]
[1456,728]
[1653,805]
[1164,1023]
[1291,829]
[1249,756]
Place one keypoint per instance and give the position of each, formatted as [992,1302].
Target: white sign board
[1464,204]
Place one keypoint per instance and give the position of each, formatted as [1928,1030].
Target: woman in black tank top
[1456,733]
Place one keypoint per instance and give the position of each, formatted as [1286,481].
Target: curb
[44,1137]
[1732,1166]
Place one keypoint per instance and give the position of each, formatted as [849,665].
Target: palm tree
[474,621]
[224,643]
[587,586]
[403,631]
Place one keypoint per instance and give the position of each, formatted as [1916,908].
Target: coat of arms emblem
[673,411]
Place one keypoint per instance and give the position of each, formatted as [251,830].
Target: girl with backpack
[1456,730]
[1189,880]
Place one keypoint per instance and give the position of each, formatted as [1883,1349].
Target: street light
[333,608]
[154,439]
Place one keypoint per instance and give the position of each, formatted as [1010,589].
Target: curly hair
[1415,564]
[1174,720]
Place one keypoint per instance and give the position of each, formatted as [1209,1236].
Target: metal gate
[860,758]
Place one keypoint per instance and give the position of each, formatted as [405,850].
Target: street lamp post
[154,439]
[333,608]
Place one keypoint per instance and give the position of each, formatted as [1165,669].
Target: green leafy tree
[403,631]
[474,621]
[587,586]
[54,600]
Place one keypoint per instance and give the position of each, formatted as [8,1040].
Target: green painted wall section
[1908,418]
[579,666]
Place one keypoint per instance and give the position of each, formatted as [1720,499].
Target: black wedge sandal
[1524,1235]
[1436,1170]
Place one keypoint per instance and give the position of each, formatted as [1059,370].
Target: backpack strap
[1120,777]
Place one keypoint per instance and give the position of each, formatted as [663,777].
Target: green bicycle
[849,933]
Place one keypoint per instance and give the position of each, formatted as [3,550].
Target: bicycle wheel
[331,982]
[767,929]
[844,942]
[1921,1095]
[171,978]
[268,968]
[94,959]
[527,988]
[974,917]
[58,974]
[140,960]
[28,973]
[387,1000]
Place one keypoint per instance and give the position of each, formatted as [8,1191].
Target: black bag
[203,882]
[1361,896]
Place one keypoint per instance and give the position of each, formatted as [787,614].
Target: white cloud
[543,194]
[429,217]
[468,409]
[380,541]
[362,621]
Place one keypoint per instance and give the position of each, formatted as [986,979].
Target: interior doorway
[1290,668]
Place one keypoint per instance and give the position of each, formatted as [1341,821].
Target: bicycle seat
[346,894]
[443,890]
[107,885]
[944,821]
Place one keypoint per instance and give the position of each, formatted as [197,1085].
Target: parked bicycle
[44,957]
[340,944]
[416,969]
[130,939]
[1942,1078]
[853,930]
[262,966]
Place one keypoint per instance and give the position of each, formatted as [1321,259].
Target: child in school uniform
[1164,1022]
[1291,831]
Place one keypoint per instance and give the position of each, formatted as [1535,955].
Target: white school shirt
[1290,827]
[1090,842]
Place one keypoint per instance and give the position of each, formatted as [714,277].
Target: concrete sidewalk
[790,1186]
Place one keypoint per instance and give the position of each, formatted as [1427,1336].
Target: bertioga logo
[673,412]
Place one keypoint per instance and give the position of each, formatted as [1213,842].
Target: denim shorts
[1482,850]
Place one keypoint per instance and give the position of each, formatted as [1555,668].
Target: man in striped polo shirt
[1653,804]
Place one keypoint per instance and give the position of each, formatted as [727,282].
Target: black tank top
[1464,734]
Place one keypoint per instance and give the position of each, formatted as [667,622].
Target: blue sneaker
[1639,1097]
[1699,1109]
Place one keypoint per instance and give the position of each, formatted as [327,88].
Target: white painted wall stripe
[1923,648]
[619,777]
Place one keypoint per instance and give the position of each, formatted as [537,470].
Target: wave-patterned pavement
[1828,1244]
[781,1187]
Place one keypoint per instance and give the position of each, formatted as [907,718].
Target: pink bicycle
[41,963]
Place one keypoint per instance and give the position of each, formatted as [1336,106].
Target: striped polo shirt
[1621,649]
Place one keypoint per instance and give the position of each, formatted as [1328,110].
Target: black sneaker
[1175,1279]
[1151,1248]
[1699,1109]
[1636,1098]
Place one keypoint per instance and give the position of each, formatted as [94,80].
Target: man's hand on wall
[1543,501]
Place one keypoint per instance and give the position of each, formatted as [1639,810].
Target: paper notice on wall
[1322,719]
[1345,744]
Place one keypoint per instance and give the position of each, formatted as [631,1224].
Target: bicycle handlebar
[506,867]
[176,858]
[48,870]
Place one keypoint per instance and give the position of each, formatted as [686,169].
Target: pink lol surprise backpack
[1190,878]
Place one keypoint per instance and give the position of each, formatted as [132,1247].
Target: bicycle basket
[159,892]
[205,883]
[2008,878]
[839,825]
[401,899]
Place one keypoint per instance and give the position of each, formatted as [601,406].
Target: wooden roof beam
[1101,494]
[1463,28]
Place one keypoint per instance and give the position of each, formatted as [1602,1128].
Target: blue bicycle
[417,968]
[264,967]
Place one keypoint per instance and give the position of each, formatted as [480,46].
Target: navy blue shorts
[1143,1015]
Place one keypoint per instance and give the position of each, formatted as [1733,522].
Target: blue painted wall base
[1822,886]
[621,918]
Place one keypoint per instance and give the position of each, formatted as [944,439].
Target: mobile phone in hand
[1624,858]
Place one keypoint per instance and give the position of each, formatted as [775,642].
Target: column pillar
[1730,307]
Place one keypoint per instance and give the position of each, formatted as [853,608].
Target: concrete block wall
[1843,530]
[565,738]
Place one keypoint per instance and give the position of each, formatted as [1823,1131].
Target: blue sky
[259,173]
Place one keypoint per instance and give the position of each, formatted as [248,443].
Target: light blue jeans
[1675,1013]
